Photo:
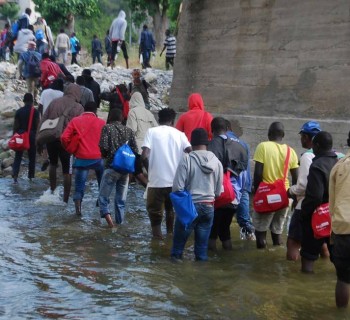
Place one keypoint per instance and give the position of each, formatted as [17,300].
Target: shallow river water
[58,266]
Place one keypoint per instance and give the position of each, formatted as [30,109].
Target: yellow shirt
[339,196]
[273,156]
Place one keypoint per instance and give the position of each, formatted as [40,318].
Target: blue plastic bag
[124,160]
[185,210]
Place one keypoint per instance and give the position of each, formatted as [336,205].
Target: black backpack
[77,46]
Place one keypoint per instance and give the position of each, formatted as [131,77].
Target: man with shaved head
[270,157]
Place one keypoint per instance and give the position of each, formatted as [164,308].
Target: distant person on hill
[147,46]
[23,37]
[96,49]
[75,48]
[29,68]
[108,48]
[62,46]
[117,35]
[170,46]
[195,117]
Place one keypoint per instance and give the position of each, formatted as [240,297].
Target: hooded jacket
[201,174]
[139,119]
[70,99]
[24,35]
[118,27]
[195,118]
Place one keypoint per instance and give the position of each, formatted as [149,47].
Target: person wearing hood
[91,84]
[139,119]
[57,108]
[23,37]
[195,117]
[200,173]
[117,35]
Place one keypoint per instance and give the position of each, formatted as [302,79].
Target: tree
[157,9]
[10,10]
[58,12]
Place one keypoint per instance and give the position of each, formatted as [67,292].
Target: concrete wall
[265,57]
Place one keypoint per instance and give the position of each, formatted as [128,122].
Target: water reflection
[56,265]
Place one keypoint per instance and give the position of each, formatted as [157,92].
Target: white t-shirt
[167,146]
[47,96]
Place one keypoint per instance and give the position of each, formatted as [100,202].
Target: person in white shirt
[163,149]
[307,132]
[62,45]
[55,91]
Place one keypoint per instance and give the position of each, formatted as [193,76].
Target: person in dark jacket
[147,45]
[96,48]
[108,48]
[316,194]
[62,67]
[21,125]
[234,158]
[91,84]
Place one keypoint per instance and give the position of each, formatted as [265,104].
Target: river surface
[54,265]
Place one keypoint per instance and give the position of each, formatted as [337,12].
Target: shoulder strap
[30,119]
[286,163]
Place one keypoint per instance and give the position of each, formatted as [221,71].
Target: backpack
[39,34]
[124,160]
[77,46]
[14,30]
[33,66]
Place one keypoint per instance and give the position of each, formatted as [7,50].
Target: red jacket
[49,72]
[195,118]
[89,128]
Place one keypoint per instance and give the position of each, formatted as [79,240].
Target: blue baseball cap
[310,127]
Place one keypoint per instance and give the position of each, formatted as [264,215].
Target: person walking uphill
[113,136]
[195,117]
[162,150]
[270,157]
[20,125]
[96,49]
[69,107]
[316,194]
[170,46]
[117,35]
[81,138]
[147,45]
[62,46]
[200,173]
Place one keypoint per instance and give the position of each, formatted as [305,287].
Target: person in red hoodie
[81,138]
[49,71]
[195,117]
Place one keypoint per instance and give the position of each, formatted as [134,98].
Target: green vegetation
[10,10]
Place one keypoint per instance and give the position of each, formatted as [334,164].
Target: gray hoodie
[201,174]
[118,27]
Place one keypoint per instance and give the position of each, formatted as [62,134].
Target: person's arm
[67,134]
[314,192]
[144,156]
[40,109]
[219,180]
[299,188]
[162,50]
[294,174]
[20,67]
[258,174]
[181,175]
[332,183]
[104,144]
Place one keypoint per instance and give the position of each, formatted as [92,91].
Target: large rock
[265,57]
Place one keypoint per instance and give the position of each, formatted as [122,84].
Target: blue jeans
[242,213]
[113,179]
[201,226]
[81,174]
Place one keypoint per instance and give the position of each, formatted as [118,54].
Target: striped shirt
[170,43]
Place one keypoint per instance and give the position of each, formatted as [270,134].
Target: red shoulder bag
[271,197]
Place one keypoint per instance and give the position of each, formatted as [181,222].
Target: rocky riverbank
[12,90]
